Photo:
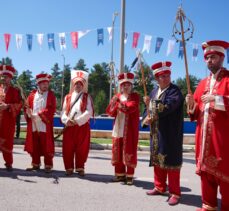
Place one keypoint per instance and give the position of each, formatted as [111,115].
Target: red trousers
[76,144]
[6,146]
[120,168]
[39,149]
[209,187]
[160,177]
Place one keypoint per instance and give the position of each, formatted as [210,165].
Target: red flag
[74,36]
[136,36]
[7,40]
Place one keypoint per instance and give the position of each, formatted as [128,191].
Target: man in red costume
[10,106]
[40,109]
[210,107]
[76,113]
[124,106]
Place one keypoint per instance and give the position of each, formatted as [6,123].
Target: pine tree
[25,80]
[80,65]
[99,80]
[56,83]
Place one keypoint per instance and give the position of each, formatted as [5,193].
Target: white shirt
[79,117]
[118,130]
[39,103]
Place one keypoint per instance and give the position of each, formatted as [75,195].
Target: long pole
[143,74]
[122,35]
[185,55]
[62,83]
[112,55]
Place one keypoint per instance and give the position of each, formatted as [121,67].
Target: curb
[186,147]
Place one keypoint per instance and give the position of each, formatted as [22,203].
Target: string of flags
[75,36]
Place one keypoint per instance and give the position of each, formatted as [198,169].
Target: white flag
[171,45]
[40,38]
[62,40]
[82,33]
[125,39]
[18,40]
[110,32]
[147,43]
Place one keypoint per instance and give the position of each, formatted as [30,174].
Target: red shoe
[154,192]
[173,200]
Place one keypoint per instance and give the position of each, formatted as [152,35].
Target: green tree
[25,80]
[6,61]
[99,80]
[56,83]
[99,104]
[80,65]
[67,79]
[138,83]
[181,83]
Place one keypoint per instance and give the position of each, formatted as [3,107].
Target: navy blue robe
[166,148]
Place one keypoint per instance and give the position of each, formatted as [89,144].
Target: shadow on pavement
[20,174]
[187,160]
[191,200]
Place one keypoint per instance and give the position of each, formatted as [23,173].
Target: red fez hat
[43,77]
[7,70]
[161,68]
[214,47]
[126,77]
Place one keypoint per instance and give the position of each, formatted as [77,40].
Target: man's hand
[207,98]
[146,100]
[70,123]
[3,106]
[29,112]
[190,100]
[150,119]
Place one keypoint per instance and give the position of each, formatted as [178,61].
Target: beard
[214,67]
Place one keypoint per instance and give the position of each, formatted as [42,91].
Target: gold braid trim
[168,167]
[207,207]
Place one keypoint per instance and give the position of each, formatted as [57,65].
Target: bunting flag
[74,36]
[110,33]
[171,46]
[40,38]
[7,40]
[18,38]
[125,39]
[147,43]
[136,36]
[62,41]
[181,50]
[51,42]
[100,36]
[194,51]
[228,55]
[29,41]
[82,33]
[159,42]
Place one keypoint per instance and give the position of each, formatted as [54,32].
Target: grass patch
[96,140]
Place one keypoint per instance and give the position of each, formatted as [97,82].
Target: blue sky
[148,17]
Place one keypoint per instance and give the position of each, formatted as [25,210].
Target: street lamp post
[112,54]
[122,35]
[62,82]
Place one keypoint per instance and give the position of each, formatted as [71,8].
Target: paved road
[21,190]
